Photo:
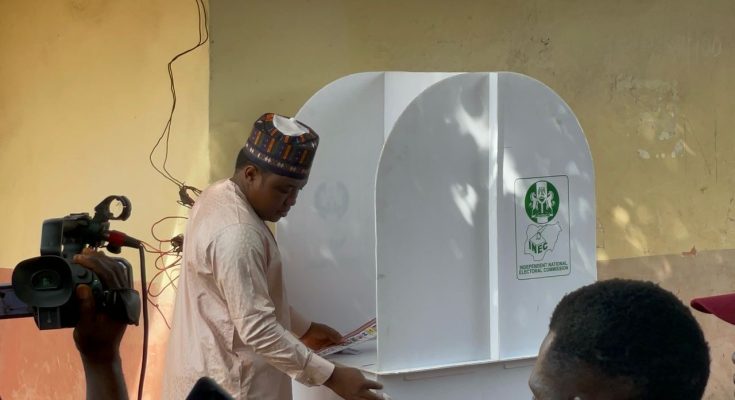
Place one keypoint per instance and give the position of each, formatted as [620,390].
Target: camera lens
[46,279]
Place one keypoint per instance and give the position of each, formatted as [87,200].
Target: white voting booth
[457,209]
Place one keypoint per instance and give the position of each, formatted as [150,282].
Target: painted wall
[688,276]
[651,83]
[84,94]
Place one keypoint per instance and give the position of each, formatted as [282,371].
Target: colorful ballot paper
[367,331]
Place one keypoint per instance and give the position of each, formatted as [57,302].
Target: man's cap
[282,145]
[722,306]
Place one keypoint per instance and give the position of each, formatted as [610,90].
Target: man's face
[552,380]
[271,195]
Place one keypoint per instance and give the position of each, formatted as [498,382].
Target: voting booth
[455,208]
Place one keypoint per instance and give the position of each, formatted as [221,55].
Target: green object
[542,202]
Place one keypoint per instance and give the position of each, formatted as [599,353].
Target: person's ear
[250,173]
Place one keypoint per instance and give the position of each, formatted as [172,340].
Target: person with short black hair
[621,339]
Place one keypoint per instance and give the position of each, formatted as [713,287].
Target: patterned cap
[286,149]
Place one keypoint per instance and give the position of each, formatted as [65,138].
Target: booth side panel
[400,90]
[547,214]
[327,241]
[432,232]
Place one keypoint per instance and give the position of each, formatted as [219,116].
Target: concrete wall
[650,81]
[689,276]
[84,94]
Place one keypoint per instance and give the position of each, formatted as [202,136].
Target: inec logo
[542,227]
[541,239]
[542,202]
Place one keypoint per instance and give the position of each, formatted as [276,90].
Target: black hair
[635,330]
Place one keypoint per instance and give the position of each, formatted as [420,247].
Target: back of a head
[634,330]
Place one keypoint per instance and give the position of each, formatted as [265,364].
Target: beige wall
[689,277]
[84,94]
[650,81]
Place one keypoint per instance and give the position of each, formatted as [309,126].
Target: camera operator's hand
[97,335]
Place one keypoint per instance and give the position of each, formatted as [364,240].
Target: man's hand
[350,384]
[320,336]
[97,335]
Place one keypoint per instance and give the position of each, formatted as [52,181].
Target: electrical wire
[185,199]
[166,133]
[144,291]
[167,253]
[162,267]
[153,233]
[161,290]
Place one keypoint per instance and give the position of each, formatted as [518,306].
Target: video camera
[43,287]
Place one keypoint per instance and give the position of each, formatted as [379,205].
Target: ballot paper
[367,331]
